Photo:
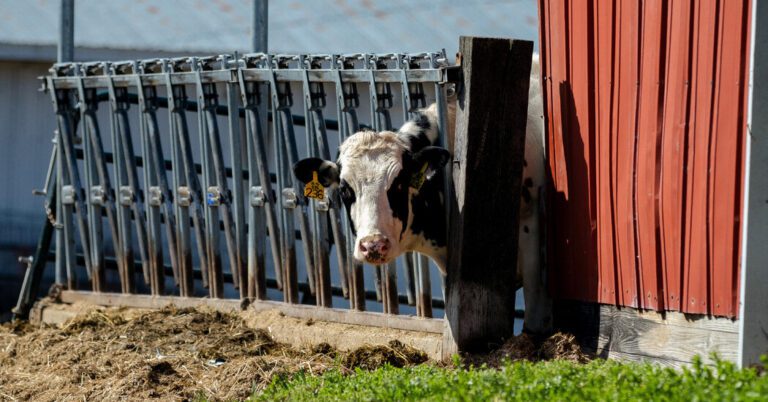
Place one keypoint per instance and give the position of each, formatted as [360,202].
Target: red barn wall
[645,104]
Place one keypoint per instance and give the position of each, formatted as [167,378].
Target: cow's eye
[346,193]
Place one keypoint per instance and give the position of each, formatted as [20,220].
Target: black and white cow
[392,190]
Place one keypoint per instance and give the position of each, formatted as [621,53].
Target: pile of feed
[169,353]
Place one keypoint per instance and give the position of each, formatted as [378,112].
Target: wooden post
[488,151]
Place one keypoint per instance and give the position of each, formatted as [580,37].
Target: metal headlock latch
[98,196]
[256,196]
[68,195]
[156,196]
[215,197]
[290,200]
[126,196]
[184,196]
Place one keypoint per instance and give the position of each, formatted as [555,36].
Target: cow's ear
[426,162]
[434,157]
[327,171]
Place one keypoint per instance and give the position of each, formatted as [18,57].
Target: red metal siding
[646,121]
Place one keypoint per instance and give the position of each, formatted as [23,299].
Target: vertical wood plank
[487,169]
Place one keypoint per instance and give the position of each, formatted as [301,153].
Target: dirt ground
[182,354]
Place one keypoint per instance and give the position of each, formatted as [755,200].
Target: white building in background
[135,29]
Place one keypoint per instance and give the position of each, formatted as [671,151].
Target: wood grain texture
[488,154]
[670,338]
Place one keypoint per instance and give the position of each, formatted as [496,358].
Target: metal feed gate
[223,206]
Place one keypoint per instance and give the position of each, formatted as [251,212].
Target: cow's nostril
[362,247]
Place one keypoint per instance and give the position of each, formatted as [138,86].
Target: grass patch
[525,381]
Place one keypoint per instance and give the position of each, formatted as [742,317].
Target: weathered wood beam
[488,150]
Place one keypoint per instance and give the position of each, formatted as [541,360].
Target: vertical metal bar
[260,25]
[218,194]
[103,195]
[93,188]
[259,195]
[153,197]
[187,186]
[257,287]
[215,274]
[66,47]
[291,194]
[72,194]
[317,144]
[65,52]
[291,157]
[235,150]
[441,98]
[314,219]
[59,265]
[164,197]
[287,239]
[130,194]
[176,95]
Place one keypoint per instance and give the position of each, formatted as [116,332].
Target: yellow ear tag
[417,180]
[314,189]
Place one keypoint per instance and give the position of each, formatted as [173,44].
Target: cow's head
[383,179]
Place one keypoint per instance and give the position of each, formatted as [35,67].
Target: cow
[392,189]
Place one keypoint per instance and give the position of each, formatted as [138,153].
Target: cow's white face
[375,194]
[375,179]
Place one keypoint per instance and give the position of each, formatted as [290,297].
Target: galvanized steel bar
[94,200]
[72,194]
[260,195]
[292,196]
[152,195]
[131,193]
[212,232]
[176,97]
[163,196]
[323,211]
[189,192]
[442,91]
[260,26]
[103,194]
[217,194]
[236,201]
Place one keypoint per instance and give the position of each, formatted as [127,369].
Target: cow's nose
[374,248]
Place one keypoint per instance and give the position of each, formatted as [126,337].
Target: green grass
[599,380]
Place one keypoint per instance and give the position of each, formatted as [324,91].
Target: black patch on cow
[528,182]
[429,211]
[420,140]
[421,120]
[525,229]
[525,163]
[348,197]
[526,194]
[397,194]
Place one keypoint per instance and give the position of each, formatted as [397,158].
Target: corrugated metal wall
[646,110]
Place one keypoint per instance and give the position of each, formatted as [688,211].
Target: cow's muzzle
[374,248]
